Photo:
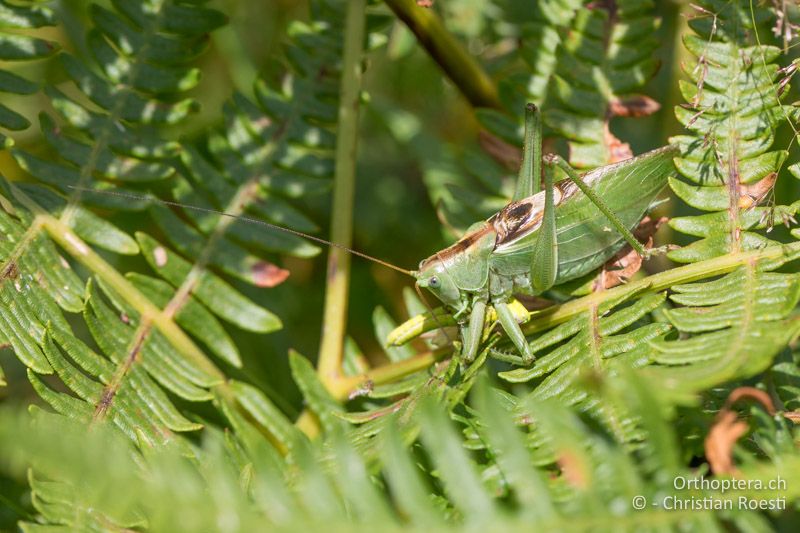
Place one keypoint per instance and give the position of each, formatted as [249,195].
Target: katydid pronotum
[539,240]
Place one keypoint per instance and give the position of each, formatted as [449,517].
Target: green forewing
[585,237]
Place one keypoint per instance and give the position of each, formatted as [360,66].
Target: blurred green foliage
[425,170]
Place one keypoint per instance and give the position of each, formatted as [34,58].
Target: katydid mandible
[539,240]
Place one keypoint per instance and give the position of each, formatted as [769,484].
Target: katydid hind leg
[554,160]
[530,171]
[544,264]
[471,335]
[514,332]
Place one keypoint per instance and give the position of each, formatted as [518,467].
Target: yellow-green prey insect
[541,239]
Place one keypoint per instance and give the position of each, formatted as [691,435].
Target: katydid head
[433,275]
[462,267]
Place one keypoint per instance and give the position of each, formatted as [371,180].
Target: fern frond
[275,149]
[111,140]
[607,57]
[540,40]
[735,337]
[17,44]
[465,186]
[733,109]
[427,441]
[586,63]
[580,476]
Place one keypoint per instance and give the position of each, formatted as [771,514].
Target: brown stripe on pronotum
[459,246]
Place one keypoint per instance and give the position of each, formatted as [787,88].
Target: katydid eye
[434,282]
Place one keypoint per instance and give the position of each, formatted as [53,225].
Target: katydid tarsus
[539,240]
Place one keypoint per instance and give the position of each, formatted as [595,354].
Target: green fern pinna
[542,239]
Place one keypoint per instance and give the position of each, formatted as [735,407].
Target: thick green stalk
[466,73]
[336,295]
[386,373]
[547,318]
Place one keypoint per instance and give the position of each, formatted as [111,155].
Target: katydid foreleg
[514,332]
[472,333]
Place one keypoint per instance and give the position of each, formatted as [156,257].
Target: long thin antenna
[143,197]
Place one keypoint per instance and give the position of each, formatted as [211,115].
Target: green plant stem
[70,242]
[466,73]
[342,388]
[329,365]
[547,318]
[62,234]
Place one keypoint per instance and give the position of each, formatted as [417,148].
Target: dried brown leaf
[617,150]
[752,195]
[266,274]
[727,429]
[720,440]
[636,105]
[573,469]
